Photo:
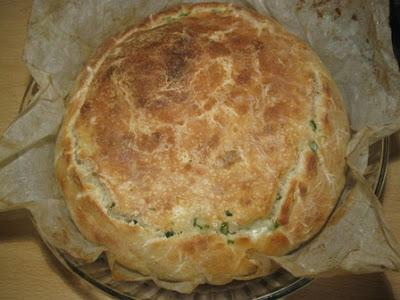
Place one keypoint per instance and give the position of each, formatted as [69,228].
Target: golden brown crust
[199,142]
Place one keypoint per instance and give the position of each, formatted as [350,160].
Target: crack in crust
[200,111]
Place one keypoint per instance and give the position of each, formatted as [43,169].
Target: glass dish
[277,285]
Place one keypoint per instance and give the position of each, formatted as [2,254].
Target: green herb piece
[278,197]
[313,145]
[215,11]
[230,242]
[170,233]
[224,228]
[276,224]
[195,224]
[184,14]
[313,125]
[228,213]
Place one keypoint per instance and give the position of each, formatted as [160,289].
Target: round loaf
[199,143]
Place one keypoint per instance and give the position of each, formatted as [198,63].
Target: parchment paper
[351,37]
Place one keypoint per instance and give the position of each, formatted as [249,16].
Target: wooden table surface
[29,271]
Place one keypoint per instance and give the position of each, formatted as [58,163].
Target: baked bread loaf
[199,143]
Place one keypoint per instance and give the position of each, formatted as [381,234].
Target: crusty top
[200,142]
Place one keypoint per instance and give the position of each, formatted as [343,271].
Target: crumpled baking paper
[351,37]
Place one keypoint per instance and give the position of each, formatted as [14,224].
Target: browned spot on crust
[199,244]
[243,241]
[241,107]
[141,102]
[303,189]
[210,103]
[287,205]
[276,243]
[175,65]
[245,44]
[109,72]
[85,108]
[214,141]
[275,113]
[218,49]
[229,158]
[77,180]
[327,124]
[327,90]
[245,201]
[311,165]
[257,44]
[187,167]
[67,157]
[243,77]
[177,57]
[149,142]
